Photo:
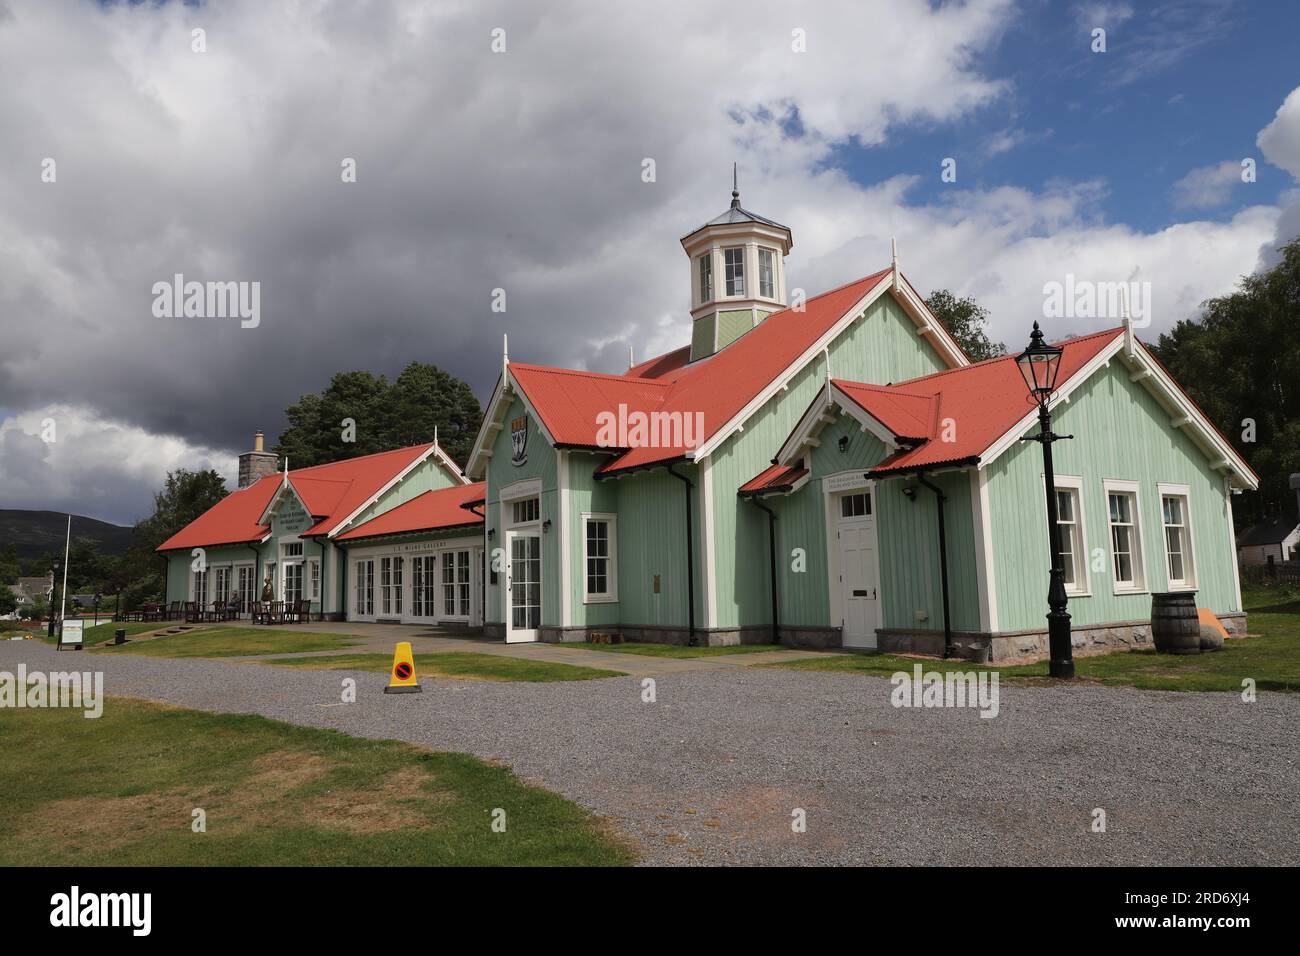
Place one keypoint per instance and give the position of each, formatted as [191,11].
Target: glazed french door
[524,587]
[364,577]
[245,586]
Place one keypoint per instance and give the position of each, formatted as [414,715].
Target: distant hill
[36,532]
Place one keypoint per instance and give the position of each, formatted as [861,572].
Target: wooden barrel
[1175,628]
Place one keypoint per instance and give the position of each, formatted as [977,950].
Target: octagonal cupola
[737,275]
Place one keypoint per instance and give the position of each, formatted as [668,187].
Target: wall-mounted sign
[519,440]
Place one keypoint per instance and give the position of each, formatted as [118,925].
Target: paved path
[712,771]
[380,638]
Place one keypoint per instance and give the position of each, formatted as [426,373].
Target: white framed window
[364,577]
[734,260]
[706,277]
[767,273]
[600,558]
[526,509]
[1123,514]
[455,584]
[856,505]
[200,591]
[390,584]
[293,582]
[291,549]
[313,574]
[1074,536]
[1176,519]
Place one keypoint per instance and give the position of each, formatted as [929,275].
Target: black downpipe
[771,530]
[690,556]
[943,566]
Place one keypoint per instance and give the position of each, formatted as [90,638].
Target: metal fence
[1288,573]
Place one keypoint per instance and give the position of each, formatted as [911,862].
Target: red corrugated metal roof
[775,478]
[716,387]
[983,402]
[331,492]
[903,413]
[430,511]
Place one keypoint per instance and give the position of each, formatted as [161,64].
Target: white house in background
[1277,540]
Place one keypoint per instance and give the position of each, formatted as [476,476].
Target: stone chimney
[257,463]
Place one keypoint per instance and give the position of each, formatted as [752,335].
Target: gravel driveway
[711,772]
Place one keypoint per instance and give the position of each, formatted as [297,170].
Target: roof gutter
[690,555]
[755,500]
[943,564]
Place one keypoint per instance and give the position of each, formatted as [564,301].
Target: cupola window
[735,260]
[766,274]
[706,278]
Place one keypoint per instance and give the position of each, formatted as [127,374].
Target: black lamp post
[1039,365]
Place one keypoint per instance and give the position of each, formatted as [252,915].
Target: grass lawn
[461,664]
[121,790]
[674,650]
[1271,657]
[232,642]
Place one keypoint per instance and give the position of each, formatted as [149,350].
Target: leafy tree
[386,416]
[1240,361]
[184,496]
[10,566]
[965,320]
[8,601]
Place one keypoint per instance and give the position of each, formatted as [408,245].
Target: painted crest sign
[519,440]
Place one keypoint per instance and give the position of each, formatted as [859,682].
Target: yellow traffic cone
[402,677]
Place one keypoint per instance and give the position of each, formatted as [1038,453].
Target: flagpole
[63,601]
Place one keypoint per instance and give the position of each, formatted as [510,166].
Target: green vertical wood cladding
[732,324]
[429,475]
[702,333]
[881,347]
[500,473]
[1121,432]
[589,495]
[910,576]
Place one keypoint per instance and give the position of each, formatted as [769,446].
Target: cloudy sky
[221,158]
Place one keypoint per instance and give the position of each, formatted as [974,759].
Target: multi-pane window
[313,573]
[455,584]
[390,585]
[292,550]
[598,556]
[200,587]
[222,590]
[423,586]
[293,582]
[706,277]
[767,273]
[1125,550]
[1070,527]
[734,259]
[365,585]
[525,510]
[1178,542]
[855,506]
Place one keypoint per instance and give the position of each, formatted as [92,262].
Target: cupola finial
[735,188]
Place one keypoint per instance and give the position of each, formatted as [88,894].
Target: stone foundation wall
[1087,639]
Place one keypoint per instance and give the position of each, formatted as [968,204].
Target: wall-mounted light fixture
[844,444]
[909,494]
[546,525]
[492,533]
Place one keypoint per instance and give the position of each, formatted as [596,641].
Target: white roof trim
[446,461]
[271,508]
[496,410]
[419,460]
[1158,382]
[813,421]
[913,306]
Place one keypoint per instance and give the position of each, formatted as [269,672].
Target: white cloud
[475,171]
[68,458]
[1207,187]
[1280,139]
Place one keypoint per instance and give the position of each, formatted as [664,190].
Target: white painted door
[859,570]
[524,587]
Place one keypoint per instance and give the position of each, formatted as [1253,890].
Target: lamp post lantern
[1039,364]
